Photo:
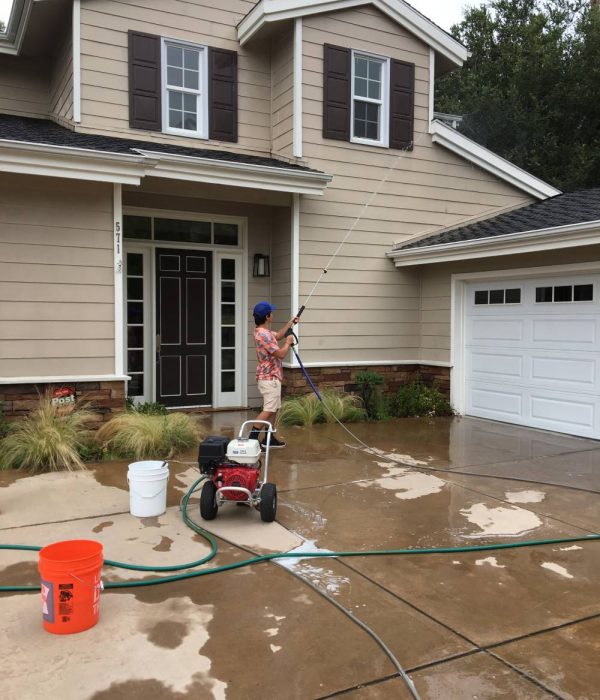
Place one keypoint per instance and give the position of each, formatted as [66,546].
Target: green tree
[2,26]
[528,90]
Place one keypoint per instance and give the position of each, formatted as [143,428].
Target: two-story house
[166,165]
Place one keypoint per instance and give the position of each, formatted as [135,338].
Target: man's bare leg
[257,429]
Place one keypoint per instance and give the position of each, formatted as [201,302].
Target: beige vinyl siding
[268,215]
[365,309]
[436,282]
[61,82]
[56,272]
[282,91]
[104,69]
[24,86]
[281,267]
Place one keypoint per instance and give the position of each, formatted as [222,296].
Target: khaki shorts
[271,393]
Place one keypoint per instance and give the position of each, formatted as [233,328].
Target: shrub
[149,408]
[143,436]
[91,451]
[418,399]
[345,407]
[4,424]
[301,410]
[369,386]
[45,440]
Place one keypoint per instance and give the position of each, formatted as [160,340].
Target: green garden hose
[277,555]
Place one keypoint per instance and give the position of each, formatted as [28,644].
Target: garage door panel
[573,332]
[559,370]
[535,363]
[496,400]
[494,364]
[496,330]
[558,411]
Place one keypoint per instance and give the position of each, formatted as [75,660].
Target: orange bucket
[71,585]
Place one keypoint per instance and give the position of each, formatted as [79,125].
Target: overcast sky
[442,12]
[5,6]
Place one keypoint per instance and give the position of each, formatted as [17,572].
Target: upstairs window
[370,99]
[184,89]
[367,99]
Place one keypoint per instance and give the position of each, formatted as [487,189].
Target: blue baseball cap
[263,308]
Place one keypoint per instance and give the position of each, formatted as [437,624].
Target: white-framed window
[184,89]
[370,99]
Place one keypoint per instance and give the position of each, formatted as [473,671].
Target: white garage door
[532,353]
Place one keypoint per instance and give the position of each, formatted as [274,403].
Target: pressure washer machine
[233,470]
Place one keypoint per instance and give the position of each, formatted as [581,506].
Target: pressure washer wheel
[208,501]
[268,503]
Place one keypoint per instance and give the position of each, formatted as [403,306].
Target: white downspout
[118,277]
[77,61]
[297,118]
[295,263]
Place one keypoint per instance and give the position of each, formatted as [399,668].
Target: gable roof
[564,221]
[458,143]
[562,210]
[269,11]
[42,136]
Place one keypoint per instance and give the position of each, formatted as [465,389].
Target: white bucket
[148,488]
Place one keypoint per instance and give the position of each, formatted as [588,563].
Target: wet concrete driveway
[518,623]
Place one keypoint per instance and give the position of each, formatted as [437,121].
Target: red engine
[232,474]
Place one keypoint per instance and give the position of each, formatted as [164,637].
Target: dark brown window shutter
[144,82]
[336,93]
[402,104]
[222,95]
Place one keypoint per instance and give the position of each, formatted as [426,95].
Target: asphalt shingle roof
[561,210]
[43,131]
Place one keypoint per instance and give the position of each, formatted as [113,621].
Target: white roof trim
[568,236]
[454,141]
[128,169]
[29,158]
[401,12]
[221,172]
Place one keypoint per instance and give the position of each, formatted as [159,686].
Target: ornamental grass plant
[143,436]
[46,440]
[346,408]
[300,410]
[308,410]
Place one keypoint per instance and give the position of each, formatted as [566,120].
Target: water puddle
[525,496]
[407,483]
[306,567]
[560,570]
[500,522]
[491,561]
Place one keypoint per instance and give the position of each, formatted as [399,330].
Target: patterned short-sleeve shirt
[269,366]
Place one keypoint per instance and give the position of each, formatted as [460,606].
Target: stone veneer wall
[344,378]
[103,398]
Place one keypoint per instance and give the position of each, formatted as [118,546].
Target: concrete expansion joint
[66,520]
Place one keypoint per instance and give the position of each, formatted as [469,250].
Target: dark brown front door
[184,327]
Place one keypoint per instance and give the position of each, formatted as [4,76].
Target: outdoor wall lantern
[262,267]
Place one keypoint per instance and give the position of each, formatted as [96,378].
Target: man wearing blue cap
[269,372]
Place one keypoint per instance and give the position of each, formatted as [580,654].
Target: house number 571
[119,266]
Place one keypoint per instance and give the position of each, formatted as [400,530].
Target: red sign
[64,398]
